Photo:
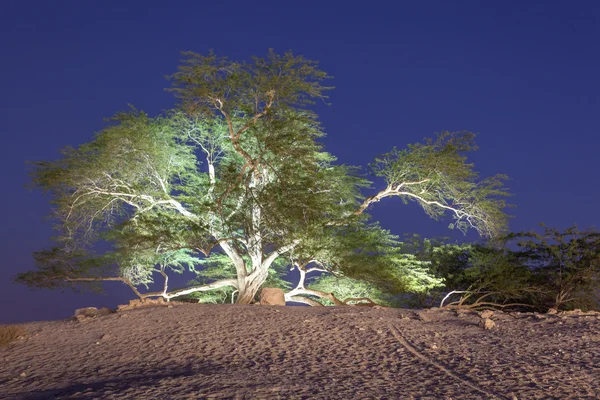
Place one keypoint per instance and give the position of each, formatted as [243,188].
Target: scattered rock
[137,303]
[487,323]
[486,314]
[423,317]
[576,311]
[552,311]
[82,314]
[463,312]
[106,336]
[272,297]
[22,374]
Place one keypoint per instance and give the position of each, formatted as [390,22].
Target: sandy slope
[191,351]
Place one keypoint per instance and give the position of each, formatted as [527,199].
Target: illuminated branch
[459,212]
[317,293]
[304,300]
[203,288]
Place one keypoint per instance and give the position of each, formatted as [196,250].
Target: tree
[565,264]
[236,177]
[487,275]
[554,269]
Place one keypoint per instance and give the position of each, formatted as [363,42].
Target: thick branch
[360,299]
[276,253]
[203,288]
[166,281]
[176,293]
[459,213]
[318,293]
[303,300]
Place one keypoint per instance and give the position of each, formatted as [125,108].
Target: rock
[552,311]
[91,312]
[106,336]
[487,323]
[23,375]
[486,314]
[272,297]
[137,303]
[463,312]
[423,317]
[86,312]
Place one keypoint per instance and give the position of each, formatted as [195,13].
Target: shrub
[9,333]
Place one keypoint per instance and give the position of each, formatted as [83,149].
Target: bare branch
[304,300]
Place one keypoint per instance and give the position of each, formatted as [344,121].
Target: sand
[192,351]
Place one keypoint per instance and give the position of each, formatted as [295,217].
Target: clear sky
[523,74]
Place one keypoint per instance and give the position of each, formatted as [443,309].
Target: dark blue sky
[524,74]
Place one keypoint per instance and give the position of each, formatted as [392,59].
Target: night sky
[523,74]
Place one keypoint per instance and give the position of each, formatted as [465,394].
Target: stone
[86,312]
[137,303]
[552,311]
[463,312]
[272,297]
[486,314]
[487,323]
[82,314]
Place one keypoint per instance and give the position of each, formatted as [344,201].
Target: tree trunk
[245,297]
[247,294]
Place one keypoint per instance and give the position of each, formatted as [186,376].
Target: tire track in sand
[413,350]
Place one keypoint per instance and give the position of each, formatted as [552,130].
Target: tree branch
[318,293]
[304,300]
[203,288]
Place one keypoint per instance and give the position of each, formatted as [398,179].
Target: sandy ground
[191,351]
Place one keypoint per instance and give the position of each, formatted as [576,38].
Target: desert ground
[193,351]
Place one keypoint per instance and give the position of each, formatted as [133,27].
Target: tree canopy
[235,186]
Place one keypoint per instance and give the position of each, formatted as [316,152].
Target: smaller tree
[553,269]
[492,276]
[566,264]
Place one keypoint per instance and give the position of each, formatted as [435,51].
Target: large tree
[235,184]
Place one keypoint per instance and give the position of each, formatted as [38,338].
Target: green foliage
[204,83]
[137,157]
[56,265]
[216,296]
[346,288]
[139,266]
[436,175]
[404,274]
